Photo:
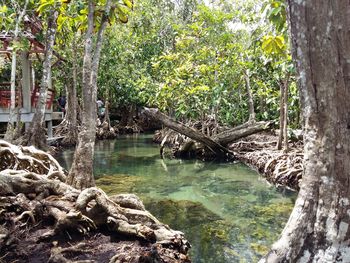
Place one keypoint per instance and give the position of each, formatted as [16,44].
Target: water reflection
[227,211]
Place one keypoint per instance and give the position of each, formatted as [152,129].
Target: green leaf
[44,5]
[3,9]
[279,40]
[128,3]
[121,14]
[273,45]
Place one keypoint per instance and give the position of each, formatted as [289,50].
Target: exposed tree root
[203,140]
[68,131]
[180,145]
[37,207]
[28,159]
[129,128]
[103,131]
[169,137]
[278,167]
[214,148]
[106,131]
[258,151]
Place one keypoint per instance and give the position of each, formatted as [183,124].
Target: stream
[228,212]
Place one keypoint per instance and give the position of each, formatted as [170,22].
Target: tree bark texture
[188,131]
[231,135]
[68,128]
[318,228]
[81,173]
[106,118]
[36,132]
[104,129]
[71,112]
[217,143]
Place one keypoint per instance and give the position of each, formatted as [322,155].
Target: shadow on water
[227,211]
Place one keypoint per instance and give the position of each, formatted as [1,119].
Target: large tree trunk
[36,132]
[318,228]
[10,132]
[81,173]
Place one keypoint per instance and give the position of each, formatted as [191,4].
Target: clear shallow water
[227,211]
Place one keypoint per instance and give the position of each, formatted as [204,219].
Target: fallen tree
[244,130]
[64,224]
[217,144]
[192,133]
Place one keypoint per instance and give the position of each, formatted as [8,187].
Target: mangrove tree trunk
[36,133]
[81,172]
[318,228]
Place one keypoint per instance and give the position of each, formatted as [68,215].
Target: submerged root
[106,131]
[180,145]
[129,128]
[39,207]
[278,167]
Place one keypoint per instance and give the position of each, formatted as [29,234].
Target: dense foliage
[189,58]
